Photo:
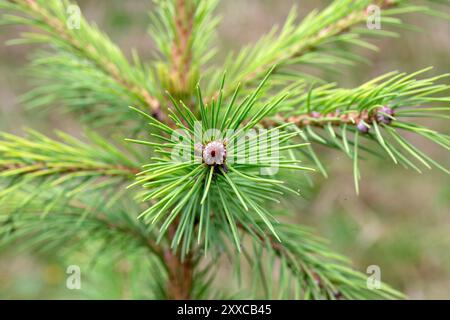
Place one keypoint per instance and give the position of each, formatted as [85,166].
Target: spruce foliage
[179,221]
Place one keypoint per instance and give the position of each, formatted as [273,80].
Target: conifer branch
[307,269]
[72,167]
[50,17]
[7,168]
[379,110]
[305,43]
[129,232]
[30,221]
[210,178]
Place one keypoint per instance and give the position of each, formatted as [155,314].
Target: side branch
[37,156]
[317,119]
[8,168]
[341,26]
[296,41]
[320,272]
[87,50]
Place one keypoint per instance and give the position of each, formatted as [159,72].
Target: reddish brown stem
[351,117]
[181,271]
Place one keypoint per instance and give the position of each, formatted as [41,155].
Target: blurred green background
[400,221]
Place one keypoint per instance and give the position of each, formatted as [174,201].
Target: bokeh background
[400,221]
